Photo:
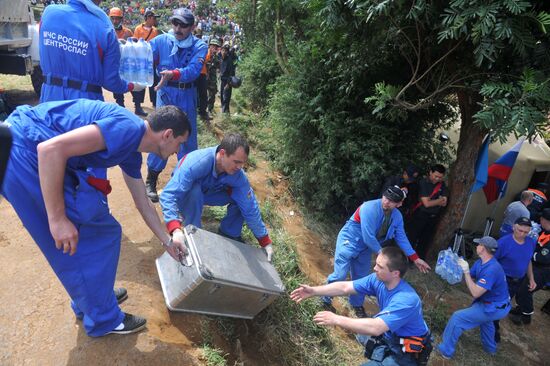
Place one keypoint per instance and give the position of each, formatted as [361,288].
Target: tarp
[533,157]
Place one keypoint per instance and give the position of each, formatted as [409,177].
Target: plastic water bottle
[132,62]
[141,53]
[446,264]
[535,230]
[149,66]
[123,69]
[439,265]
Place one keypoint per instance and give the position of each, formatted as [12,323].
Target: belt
[175,84]
[515,280]
[73,84]
[503,306]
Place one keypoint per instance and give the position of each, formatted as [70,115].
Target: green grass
[213,356]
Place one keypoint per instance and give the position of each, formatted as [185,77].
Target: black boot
[140,111]
[151,185]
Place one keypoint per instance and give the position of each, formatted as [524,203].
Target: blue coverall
[89,274]
[493,305]
[80,48]
[196,183]
[357,241]
[186,64]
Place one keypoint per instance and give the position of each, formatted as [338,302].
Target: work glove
[139,87]
[269,251]
[464,265]
[176,247]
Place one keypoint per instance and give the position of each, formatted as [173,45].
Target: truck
[19,40]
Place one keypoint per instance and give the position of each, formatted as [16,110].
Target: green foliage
[259,70]
[214,356]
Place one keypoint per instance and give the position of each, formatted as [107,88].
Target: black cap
[523,221]
[546,214]
[411,171]
[394,194]
[488,242]
[184,15]
[150,13]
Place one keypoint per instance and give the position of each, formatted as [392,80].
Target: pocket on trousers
[88,203]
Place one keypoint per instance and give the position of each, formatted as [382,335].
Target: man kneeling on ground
[397,334]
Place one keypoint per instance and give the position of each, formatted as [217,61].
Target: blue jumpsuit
[79,47]
[186,64]
[88,275]
[492,305]
[195,183]
[357,241]
[401,311]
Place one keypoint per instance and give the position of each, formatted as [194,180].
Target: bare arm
[531,277]
[427,202]
[150,216]
[475,290]
[52,161]
[333,289]
[368,326]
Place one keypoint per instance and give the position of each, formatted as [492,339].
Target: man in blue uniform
[514,255]
[397,334]
[491,300]
[541,275]
[79,53]
[214,177]
[179,58]
[374,224]
[50,183]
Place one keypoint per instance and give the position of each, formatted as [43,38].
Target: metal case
[225,277]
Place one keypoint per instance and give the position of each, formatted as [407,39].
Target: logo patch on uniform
[544,252]
[482,280]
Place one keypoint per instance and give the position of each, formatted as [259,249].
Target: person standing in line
[79,53]
[179,58]
[148,31]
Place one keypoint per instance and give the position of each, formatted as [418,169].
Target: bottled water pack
[447,266]
[136,62]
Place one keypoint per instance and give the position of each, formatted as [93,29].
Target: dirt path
[37,325]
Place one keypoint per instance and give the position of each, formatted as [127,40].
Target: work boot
[515,311]
[360,312]
[140,111]
[151,185]
[520,319]
[327,306]
[130,324]
[546,308]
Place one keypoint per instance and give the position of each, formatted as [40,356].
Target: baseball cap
[546,214]
[215,41]
[394,194]
[487,242]
[184,15]
[411,171]
[523,221]
[150,13]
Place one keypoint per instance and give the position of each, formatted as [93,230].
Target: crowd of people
[57,182]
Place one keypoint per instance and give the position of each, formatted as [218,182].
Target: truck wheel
[37,79]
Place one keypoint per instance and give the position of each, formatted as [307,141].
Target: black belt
[175,84]
[515,280]
[73,84]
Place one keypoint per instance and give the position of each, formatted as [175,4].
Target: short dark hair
[232,141]
[169,117]
[397,261]
[438,168]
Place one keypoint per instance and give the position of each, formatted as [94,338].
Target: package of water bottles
[136,62]
[447,266]
[535,230]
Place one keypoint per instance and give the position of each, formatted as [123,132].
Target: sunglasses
[180,24]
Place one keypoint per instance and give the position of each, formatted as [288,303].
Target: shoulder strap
[434,192]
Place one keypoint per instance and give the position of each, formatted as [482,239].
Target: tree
[489,57]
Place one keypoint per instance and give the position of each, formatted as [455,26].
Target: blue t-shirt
[491,277]
[400,308]
[121,130]
[513,257]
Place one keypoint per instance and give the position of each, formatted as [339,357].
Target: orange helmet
[115,12]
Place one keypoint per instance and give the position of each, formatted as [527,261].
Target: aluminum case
[223,277]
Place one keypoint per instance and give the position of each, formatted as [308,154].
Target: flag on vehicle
[499,172]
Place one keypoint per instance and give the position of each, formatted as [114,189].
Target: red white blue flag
[500,171]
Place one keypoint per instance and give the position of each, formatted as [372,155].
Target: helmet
[215,41]
[115,12]
[235,81]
